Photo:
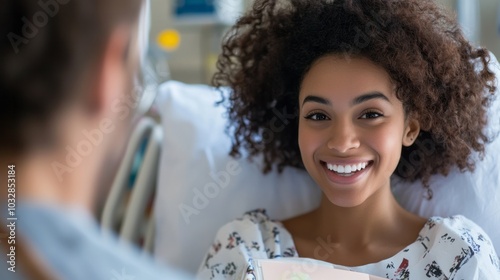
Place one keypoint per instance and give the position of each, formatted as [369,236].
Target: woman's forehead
[336,74]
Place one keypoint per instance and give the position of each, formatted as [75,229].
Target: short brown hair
[46,47]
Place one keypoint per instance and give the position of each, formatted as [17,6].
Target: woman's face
[351,128]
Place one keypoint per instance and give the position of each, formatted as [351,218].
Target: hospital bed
[128,209]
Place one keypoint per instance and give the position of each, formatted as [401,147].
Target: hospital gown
[446,248]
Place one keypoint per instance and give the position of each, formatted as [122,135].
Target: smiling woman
[347,138]
[366,79]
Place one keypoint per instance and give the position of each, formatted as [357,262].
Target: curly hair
[441,79]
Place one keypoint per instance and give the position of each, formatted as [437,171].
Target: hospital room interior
[185,132]
[176,184]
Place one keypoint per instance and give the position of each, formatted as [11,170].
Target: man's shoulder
[75,247]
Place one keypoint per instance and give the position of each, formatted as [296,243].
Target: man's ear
[111,76]
[412,129]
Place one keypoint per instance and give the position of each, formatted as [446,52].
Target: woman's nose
[343,137]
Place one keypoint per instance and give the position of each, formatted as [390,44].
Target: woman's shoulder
[253,236]
[466,246]
[257,230]
[254,222]
[456,231]
[257,216]
[455,226]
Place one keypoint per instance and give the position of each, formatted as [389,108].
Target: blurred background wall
[195,40]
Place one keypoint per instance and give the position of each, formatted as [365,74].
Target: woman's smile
[346,178]
[346,174]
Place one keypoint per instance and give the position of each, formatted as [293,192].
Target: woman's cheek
[387,141]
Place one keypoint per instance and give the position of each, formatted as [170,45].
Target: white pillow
[200,187]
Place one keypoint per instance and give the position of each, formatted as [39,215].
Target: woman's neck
[352,236]
[375,219]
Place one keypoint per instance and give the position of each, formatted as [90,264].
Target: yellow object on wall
[169,39]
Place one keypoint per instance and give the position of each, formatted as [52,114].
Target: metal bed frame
[133,188]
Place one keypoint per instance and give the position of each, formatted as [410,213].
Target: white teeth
[340,169]
[347,168]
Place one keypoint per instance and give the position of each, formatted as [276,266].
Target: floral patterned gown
[446,248]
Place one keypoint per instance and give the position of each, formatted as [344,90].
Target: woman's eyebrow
[314,98]
[368,96]
[358,100]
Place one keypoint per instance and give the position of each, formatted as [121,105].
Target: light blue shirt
[74,247]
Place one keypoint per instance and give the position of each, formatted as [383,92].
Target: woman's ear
[412,129]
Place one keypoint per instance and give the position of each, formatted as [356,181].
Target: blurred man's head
[66,77]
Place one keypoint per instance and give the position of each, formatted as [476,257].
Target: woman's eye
[371,115]
[317,117]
